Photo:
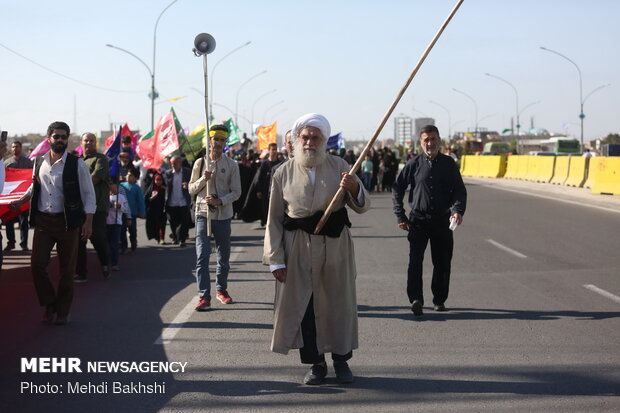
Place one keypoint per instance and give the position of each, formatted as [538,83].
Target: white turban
[312,119]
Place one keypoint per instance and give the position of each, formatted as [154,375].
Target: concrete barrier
[577,171]
[531,173]
[593,169]
[560,172]
[472,165]
[512,167]
[544,168]
[607,179]
[492,166]
[522,166]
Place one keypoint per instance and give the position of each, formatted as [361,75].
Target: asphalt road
[534,321]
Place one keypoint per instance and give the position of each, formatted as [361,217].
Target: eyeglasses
[63,137]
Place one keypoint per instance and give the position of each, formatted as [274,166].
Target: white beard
[309,158]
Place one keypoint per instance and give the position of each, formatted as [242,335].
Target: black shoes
[416,308]
[343,372]
[440,308]
[316,375]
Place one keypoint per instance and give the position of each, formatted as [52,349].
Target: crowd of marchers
[73,199]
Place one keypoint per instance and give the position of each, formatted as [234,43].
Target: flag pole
[341,191]
[208,166]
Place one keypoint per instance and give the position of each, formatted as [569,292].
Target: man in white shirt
[178,200]
[61,211]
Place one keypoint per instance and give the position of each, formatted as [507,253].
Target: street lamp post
[475,108]
[449,117]
[581,114]
[269,108]
[153,94]
[518,125]
[239,90]
[213,72]
[231,111]
[254,105]
[595,90]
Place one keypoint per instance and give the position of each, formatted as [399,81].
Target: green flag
[186,146]
[234,133]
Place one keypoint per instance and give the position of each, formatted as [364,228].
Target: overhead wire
[69,77]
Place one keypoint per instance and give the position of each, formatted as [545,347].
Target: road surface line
[602,292]
[567,201]
[505,248]
[171,330]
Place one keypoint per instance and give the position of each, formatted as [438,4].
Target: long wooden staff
[340,194]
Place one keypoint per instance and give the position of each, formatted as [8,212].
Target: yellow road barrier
[560,172]
[544,168]
[593,169]
[576,171]
[607,179]
[512,167]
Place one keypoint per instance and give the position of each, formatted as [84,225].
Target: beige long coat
[316,264]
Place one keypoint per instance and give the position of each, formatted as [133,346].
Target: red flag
[125,131]
[166,139]
[16,184]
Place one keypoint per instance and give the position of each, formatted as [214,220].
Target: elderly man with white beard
[315,302]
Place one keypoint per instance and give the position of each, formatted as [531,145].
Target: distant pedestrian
[367,167]
[135,198]
[61,210]
[178,200]
[118,214]
[155,202]
[99,169]
[263,184]
[436,196]
[17,161]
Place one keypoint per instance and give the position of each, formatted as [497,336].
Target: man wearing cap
[315,302]
[217,204]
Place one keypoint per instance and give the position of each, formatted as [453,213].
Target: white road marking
[171,330]
[602,292]
[552,198]
[505,248]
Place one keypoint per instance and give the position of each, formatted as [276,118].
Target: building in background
[403,130]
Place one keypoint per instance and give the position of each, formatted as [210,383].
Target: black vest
[74,209]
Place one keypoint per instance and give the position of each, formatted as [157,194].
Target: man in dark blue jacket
[437,198]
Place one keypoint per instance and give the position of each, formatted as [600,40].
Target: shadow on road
[404,313]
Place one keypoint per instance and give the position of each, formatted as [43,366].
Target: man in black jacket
[437,197]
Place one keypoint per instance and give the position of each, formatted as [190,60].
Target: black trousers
[179,221]
[49,231]
[99,239]
[22,220]
[437,231]
[309,353]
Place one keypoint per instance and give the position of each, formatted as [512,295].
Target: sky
[345,59]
